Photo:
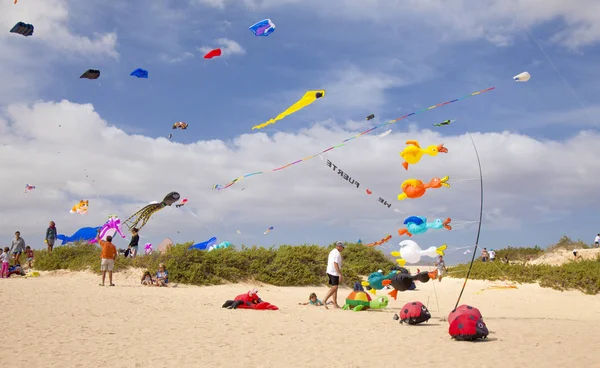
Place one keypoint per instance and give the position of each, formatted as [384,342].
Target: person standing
[334,273]
[484,255]
[441,268]
[17,247]
[492,255]
[109,255]
[133,244]
[597,241]
[50,236]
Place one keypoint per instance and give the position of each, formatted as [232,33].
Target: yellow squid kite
[308,98]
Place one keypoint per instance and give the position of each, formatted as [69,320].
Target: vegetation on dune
[285,265]
[583,275]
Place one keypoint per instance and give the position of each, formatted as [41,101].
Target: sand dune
[562,256]
[66,320]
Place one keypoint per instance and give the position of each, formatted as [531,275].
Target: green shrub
[519,254]
[284,266]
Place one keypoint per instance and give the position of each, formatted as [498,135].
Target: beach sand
[64,319]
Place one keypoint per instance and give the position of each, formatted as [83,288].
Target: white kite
[387,132]
[523,77]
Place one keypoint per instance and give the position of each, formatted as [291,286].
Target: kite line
[480,218]
[220,187]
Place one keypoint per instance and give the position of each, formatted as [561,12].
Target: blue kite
[83,234]
[140,73]
[204,245]
[263,28]
[22,29]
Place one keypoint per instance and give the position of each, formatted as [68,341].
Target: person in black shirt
[133,244]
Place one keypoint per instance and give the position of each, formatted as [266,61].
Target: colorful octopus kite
[145,213]
[414,188]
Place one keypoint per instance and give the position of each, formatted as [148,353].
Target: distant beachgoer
[597,241]
[313,300]
[334,273]
[162,276]
[109,255]
[29,254]
[441,267]
[484,255]
[147,279]
[51,236]
[5,258]
[133,244]
[492,255]
[17,247]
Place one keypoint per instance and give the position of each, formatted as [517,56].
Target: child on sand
[147,279]
[29,254]
[162,276]
[5,258]
[313,300]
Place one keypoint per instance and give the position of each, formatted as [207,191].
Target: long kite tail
[479,228]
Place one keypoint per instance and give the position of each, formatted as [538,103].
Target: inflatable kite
[212,53]
[140,73]
[410,252]
[24,29]
[522,77]
[204,245]
[466,324]
[249,300]
[80,208]
[180,125]
[419,225]
[148,248]
[413,314]
[359,300]
[222,245]
[263,28]
[112,226]
[445,122]
[29,187]
[182,203]
[269,230]
[375,281]
[414,188]
[91,74]
[379,242]
[387,132]
[403,280]
[371,117]
[413,153]
[83,234]
[145,213]
[308,98]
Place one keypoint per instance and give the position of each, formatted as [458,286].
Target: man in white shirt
[492,255]
[334,273]
[597,241]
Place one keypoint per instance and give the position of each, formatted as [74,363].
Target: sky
[106,140]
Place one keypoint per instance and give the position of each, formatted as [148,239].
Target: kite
[359,300]
[445,122]
[180,125]
[91,74]
[387,132]
[80,208]
[250,300]
[29,187]
[24,29]
[234,181]
[148,248]
[522,77]
[140,73]
[410,252]
[83,234]
[413,152]
[212,53]
[182,203]
[113,225]
[204,245]
[370,117]
[375,281]
[170,136]
[419,225]
[403,280]
[263,28]
[379,242]
[222,245]
[15,1]
[238,232]
[145,213]
[308,98]
[268,230]
[413,314]
[414,188]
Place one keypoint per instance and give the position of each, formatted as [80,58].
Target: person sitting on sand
[313,300]
[147,279]
[162,276]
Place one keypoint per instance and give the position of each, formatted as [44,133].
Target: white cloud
[170,59]
[228,47]
[86,158]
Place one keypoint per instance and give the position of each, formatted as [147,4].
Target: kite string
[561,75]
[480,218]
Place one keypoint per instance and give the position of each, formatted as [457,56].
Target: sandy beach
[66,320]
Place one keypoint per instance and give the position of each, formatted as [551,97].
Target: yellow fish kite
[308,98]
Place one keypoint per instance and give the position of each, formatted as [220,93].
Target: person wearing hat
[334,272]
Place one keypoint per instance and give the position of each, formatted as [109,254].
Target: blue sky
[386,58]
